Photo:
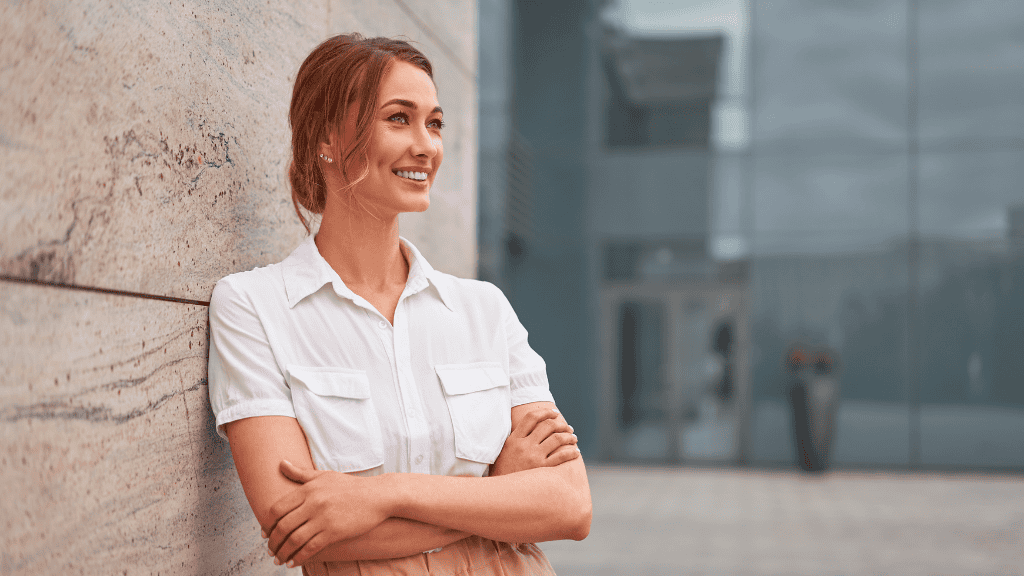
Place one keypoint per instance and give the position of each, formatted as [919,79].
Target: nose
[425,144]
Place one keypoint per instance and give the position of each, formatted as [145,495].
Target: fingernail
[555,410]
[291,564]
[263,534]
[574,437]
[577,449]
[277,562]
[571,429]
[270,552]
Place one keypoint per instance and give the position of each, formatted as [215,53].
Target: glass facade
[854,195]
[881,212]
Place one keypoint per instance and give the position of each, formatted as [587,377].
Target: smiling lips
[418,176]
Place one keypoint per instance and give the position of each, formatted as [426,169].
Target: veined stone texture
[143,149]
[110,463]
[144,144]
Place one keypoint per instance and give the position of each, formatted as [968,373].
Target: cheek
[383,146]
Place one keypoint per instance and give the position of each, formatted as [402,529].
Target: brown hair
[343,70]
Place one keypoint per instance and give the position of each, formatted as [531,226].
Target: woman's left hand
[539,438]
[329,507]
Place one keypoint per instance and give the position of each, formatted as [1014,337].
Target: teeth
[411,175]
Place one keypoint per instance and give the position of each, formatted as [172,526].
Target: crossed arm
[537,491]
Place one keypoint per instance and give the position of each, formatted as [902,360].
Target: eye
[436,123]
[399,117]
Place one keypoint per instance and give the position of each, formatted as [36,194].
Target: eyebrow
[409,104]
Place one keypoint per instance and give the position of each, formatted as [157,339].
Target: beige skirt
[473,556]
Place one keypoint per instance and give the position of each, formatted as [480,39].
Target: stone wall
[143,147]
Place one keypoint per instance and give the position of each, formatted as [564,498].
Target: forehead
[408,82]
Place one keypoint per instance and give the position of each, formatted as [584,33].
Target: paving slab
[743,522]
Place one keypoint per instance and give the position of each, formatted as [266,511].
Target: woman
[369,399]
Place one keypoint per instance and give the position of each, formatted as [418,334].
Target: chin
[418,204]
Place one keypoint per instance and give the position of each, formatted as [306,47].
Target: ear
[327,151]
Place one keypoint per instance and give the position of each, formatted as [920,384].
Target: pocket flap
[466,378]
[342,382]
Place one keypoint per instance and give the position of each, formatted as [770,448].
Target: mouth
[410,175]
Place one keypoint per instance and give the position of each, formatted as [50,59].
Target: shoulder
[470,294]
[245,288]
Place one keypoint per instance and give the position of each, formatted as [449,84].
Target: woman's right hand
[328,507]
[541,438]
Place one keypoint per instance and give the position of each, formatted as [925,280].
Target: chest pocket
[334,408]
[480,402]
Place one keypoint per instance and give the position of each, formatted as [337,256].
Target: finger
[530,421]
[558,416]
[556,441]
[296,474]
[284,528]
[562,455]
[315,544]
[296,540]
[547,428]
[279,509]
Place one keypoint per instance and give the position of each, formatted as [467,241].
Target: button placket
[387,340]
[419,434]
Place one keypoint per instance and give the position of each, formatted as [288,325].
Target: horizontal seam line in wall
[437,39]
[5,278]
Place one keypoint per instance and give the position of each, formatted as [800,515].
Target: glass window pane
[971,64]
[830,274]
[971,308]
[825,203]
[969,195]
[830,73]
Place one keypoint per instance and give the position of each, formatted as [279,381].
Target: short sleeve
[527,370]
[244,377]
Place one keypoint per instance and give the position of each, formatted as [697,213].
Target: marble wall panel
[143,145]
[143,148]
[449,25]
[109,459]
[446,232]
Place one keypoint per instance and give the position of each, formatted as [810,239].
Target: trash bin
[822,407]
[813,393]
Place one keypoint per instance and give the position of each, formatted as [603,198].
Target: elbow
[571,519]
[576,519]
[579,511]
[580,528]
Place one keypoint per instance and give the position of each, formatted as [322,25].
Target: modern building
[595,200]
[874,197]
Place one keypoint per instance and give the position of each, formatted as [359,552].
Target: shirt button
[419,459]
[382,324]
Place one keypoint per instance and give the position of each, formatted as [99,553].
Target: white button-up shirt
[430,394]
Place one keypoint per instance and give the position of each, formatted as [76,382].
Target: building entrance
[675,384]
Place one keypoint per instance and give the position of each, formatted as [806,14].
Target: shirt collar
[306,271]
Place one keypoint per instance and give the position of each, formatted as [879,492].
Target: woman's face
[405,148]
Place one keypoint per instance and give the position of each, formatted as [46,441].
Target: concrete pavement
[699,521]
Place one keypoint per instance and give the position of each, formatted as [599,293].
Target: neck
[363,249]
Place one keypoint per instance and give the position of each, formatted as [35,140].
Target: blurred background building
[674,194]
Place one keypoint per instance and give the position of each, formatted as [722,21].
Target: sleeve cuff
[253,408]
[530,387]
